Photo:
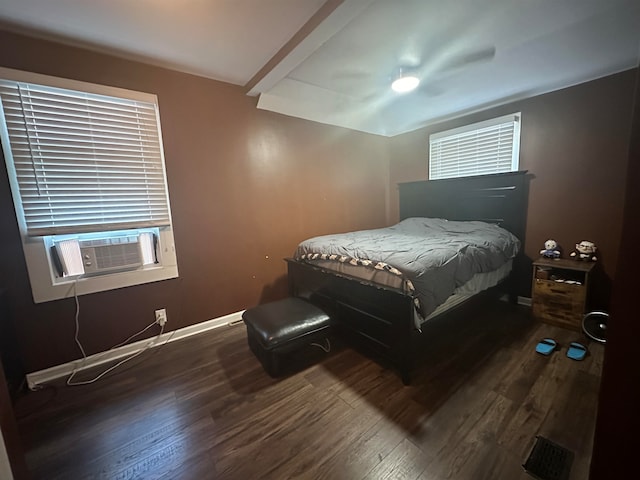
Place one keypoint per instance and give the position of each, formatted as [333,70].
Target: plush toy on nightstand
[550,249]
[585,251]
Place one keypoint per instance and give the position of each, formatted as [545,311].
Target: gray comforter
[433,256]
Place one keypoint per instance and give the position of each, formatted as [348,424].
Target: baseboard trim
[36,379]
[526,301]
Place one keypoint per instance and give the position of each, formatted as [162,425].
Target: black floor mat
[548,461]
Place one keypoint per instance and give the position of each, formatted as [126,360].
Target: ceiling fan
[432,76]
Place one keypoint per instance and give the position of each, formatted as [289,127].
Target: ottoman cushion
[277,323]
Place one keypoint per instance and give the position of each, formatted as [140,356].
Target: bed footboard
[376,318]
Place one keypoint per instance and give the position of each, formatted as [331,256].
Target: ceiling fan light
[405,84]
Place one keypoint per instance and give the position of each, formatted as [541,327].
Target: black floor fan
[594,325]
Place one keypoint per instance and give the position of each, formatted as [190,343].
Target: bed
[381,292]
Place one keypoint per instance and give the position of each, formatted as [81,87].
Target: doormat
[548,460]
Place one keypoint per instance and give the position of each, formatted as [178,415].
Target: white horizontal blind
[84,162]
[478,149]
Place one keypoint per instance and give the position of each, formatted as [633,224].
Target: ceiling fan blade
[462,60]
[434,84]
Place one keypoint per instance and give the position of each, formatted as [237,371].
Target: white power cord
[326,348]
[136,334]
[113,367]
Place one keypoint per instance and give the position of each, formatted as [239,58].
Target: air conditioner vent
[109,254]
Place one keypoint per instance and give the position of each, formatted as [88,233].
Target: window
[86,168]
[492,146]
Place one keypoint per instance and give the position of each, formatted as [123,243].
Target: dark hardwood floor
[203,408]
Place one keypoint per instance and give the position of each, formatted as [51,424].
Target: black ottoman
[277,328]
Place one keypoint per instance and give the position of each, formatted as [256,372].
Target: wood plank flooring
[203,408]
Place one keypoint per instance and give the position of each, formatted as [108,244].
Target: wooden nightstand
[560,291]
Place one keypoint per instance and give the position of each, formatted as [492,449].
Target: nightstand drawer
[565,292]
[559,303]
[565,318]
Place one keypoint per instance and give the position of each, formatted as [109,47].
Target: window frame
[46,285]
[515,119]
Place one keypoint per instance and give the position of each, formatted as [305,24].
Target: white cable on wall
[70,381]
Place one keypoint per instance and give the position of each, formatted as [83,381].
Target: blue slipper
[546,346]
[576,351]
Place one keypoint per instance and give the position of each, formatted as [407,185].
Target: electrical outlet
[161,317]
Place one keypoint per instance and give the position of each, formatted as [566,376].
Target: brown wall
[245,187]
[574,143]
[614,451]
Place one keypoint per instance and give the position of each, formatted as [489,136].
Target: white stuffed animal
[550,249]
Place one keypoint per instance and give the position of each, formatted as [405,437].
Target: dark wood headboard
[500,198]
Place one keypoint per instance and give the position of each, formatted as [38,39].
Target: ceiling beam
[332,17]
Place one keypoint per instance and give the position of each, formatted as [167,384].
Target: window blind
[84,162]
[478,149]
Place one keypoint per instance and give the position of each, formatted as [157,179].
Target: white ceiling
[336,69]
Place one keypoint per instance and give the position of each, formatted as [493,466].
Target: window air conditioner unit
[110,254]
